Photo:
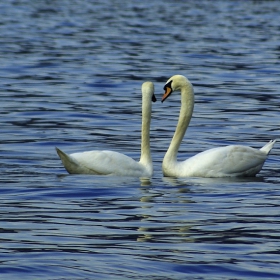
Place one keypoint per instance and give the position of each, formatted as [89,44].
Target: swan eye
[154,98]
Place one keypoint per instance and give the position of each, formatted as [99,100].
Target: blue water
[71,74]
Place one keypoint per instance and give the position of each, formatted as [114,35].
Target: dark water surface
[71,73]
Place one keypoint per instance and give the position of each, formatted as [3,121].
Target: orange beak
[168,91]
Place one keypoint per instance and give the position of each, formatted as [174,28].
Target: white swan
[114,163]
[229,161]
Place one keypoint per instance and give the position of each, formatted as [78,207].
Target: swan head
[176,82]
[148,89]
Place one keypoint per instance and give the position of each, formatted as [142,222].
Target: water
[71,73]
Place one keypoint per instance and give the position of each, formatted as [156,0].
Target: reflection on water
[71,75]
[210,181]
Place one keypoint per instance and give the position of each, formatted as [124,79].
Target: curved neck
[187,104]
[145,134]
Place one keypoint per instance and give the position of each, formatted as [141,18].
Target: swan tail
[267,147]
[71,165]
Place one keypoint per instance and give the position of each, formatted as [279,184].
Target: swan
[114,163]
[228,161]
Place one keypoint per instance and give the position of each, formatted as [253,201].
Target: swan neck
[145,132]
[187,105]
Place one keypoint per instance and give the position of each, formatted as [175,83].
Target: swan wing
[229,161]
[101,163]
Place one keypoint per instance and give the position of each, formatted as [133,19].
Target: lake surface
[71,74]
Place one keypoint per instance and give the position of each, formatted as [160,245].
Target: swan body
[114,163]
[228,161]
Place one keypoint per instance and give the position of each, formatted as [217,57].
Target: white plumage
[114,163]
[229,161]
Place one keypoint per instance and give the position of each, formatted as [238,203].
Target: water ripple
[71,77]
